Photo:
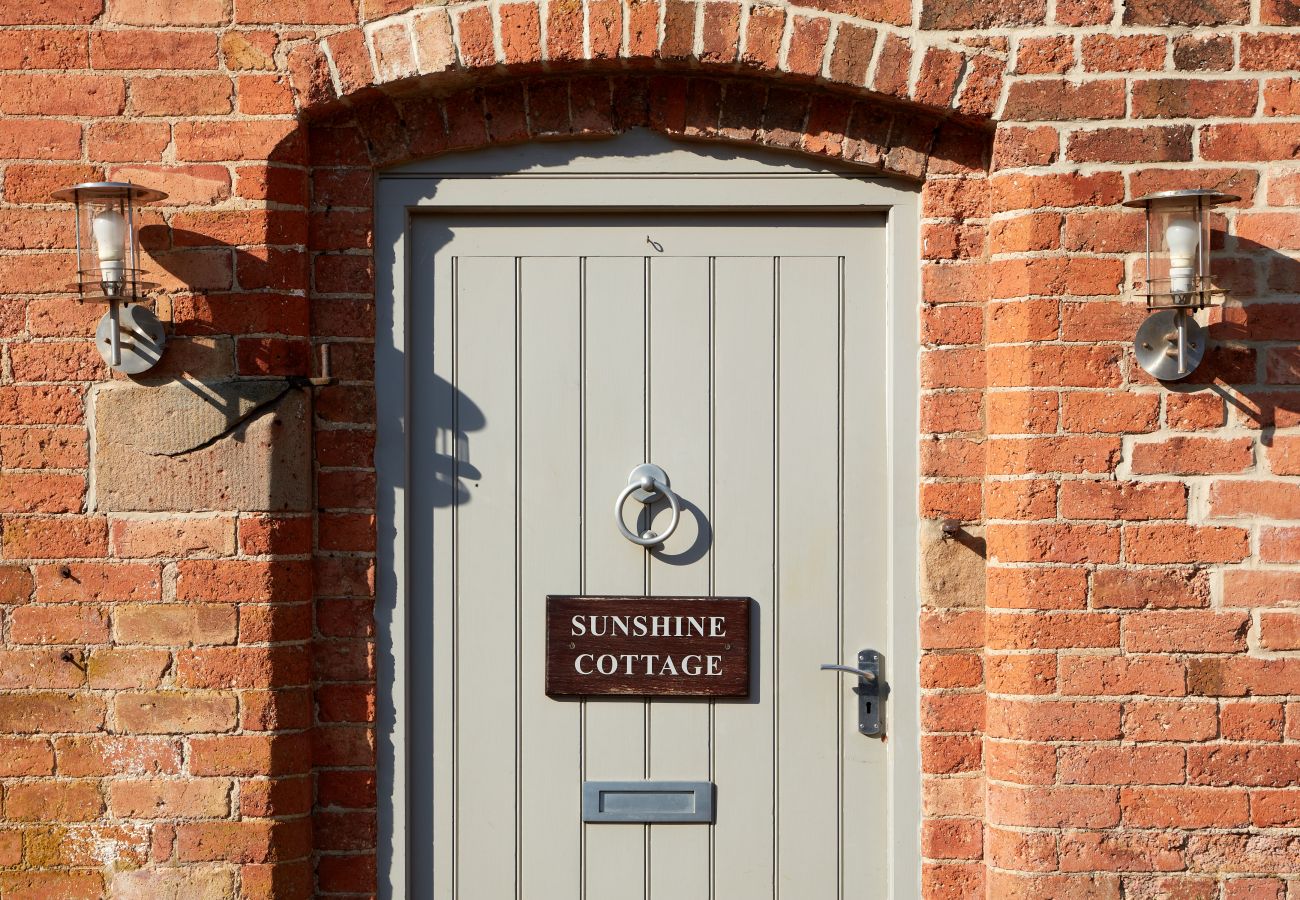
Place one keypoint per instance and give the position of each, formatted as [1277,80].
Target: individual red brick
[1273,809]
[174,712]
[951,325]
[215,141]
[1044,55]
[1183,807]
[1253,143]
[1123,53]
[1036,588]
[1269,51]
[1192,456]
[1069,454]
[175,625]
[54,801]
[1152,589]
[979,14]
[950,754]
[1026,233]
[1281,97]
[1119,852]
[296,12]
[952,629]
[248,841]
[1130,145]
[167,50]
[951,670]
[1279,631]
[1015,148]
[1023,320]
[893,66]
[62,95]
[1021,673]
[1255,765]
[936,83]
[1188,412]
[1123,500]
[1034,499]
[1110,412]
[98,581]
[241,667]
[1267,499]
[1251,721]
[36,713]
[1053,366]
[1054,807]
[1021,412]
[1082,764]
[1186,97]
[807,47]
[1186,12]
[1279,544]
[243,581]
[1055,101]
[1185,544]
[58,625]
[167,798]
[181,95]
[1038,631]
[952,839]
[1022,850]
[850,55]
[1197,52]
[50,538]
[1243,587]
[1021,191]
[1053,720]
[1170,720]
[258,755]
[1064,543]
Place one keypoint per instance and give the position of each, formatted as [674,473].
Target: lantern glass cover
[108,254]
[1176,266]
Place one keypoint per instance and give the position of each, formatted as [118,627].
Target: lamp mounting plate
[142,339]
[1156,345]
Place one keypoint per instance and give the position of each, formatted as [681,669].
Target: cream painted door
[549,354]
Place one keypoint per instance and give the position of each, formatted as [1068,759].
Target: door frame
[642,171]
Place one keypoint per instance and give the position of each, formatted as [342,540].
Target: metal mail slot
[647,801]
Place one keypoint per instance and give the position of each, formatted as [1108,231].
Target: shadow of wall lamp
[1176,282]
[129,336]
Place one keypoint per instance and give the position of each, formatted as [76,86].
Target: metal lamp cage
[96,278]
[1173,278]
[129,336]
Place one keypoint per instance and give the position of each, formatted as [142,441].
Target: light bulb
[1182,236]
[109,229]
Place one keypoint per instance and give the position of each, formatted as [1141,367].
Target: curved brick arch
[868,48]
[377,129]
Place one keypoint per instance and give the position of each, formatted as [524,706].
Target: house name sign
[647,646]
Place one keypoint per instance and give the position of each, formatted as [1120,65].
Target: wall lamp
[129,336]
[1176,282]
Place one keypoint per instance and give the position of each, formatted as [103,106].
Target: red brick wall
[1119,715]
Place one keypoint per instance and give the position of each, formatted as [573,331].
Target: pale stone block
[237,445]
[952,569]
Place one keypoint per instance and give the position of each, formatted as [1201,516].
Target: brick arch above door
[864,47]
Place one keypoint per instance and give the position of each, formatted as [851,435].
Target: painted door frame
[641,171]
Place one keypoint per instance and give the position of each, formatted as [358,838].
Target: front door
[550,353]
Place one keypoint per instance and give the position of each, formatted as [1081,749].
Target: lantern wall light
[1176,280]
[129,336]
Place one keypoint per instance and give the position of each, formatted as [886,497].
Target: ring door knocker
[647,484]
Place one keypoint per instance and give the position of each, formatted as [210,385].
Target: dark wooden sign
[647,646]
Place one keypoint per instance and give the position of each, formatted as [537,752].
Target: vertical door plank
[614,434]
[808,719]
[486,589]
[431,595]
[550,493]
[743,507]
[865,503]
[680,442]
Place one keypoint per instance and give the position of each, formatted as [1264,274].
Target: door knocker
[648,484]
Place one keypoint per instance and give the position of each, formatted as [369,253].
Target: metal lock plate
[870,693]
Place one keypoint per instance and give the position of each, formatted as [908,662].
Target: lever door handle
[861,673]
[871,692]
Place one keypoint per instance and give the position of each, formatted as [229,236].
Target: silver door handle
[647,484]
[871,692]
[861,673]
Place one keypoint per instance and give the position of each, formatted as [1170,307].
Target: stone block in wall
[952,568]
[235,445]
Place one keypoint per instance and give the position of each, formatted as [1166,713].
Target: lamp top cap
[1202,197]
[108,190]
